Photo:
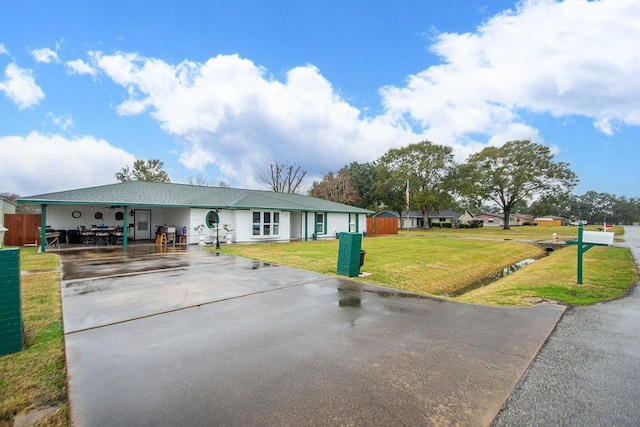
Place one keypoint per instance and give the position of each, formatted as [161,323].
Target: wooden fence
[23,229]
[379,226]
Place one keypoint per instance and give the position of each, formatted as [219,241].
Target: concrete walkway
[588,373]
[192,338]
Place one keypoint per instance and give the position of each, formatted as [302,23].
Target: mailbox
[597,237]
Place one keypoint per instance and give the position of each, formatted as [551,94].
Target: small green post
[125,227]
[580,251]
[43,229]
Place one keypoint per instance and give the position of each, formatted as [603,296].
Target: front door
[143,224]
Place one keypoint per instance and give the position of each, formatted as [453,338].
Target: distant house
[490,220]
[551,220]
[140,208]
[387,214]
[446,218]
[414,219]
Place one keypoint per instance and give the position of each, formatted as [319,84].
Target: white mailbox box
[598,237]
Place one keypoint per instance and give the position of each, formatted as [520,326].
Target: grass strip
[35,377]
[608,273]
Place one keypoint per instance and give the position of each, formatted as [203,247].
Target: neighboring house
[521,219]
[551,220]
[413,220]
[466,218]
[6,207]
[253,215]
[490,220]
[387,214]
[443,218]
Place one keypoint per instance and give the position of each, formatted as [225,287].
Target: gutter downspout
[43,229]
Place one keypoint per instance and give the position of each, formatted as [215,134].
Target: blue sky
[219,89]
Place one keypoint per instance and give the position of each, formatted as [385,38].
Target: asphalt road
[588,372]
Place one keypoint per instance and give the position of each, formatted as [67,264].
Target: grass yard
[36,377]
[441,261]
[433,266]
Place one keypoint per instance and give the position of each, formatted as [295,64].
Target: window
[265,224]
[320,222]
[212,220]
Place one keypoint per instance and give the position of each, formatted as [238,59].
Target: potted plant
[200,230]
[228,233]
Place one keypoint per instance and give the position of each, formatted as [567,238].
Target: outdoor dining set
[101,235]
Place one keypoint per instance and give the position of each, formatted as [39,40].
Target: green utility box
[10,307]
[349,254]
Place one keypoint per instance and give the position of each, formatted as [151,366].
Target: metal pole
[217,230]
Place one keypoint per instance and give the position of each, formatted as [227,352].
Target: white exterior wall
[60,217]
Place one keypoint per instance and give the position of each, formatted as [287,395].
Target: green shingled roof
[141,193]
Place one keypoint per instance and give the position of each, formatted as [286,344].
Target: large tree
[283,177]
[427,167]
[518,170]
[337,188]
[363,177]
[144,170]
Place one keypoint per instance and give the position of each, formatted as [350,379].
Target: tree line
[518,177]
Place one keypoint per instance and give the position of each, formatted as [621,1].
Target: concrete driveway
[195,338]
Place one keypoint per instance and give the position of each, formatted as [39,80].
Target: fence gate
[23,229]
[378,226]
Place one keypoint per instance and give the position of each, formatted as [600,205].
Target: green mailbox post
[587,240]
[349,254]
[10,307]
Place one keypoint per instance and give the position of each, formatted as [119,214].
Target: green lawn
[439,262]
[36,377]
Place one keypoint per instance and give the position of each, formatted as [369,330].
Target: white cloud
[45,55]
[38,163]
[3,50]
[228,112]
[78,66]
[20,86]
[545,57]
[563,58]
[64,122]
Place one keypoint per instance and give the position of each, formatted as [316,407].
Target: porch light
[3,230]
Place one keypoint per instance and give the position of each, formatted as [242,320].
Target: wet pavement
[190,337]
[588,372]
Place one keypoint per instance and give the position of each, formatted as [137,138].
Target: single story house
[415,219]
[412,219]
[497,220]
[140,207]
[551,220]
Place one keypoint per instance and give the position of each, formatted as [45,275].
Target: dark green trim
[43,228]
[125,227]
[357,223]
[306,226]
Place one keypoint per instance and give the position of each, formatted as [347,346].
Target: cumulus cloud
[78,66]
[39,163]
[230,112]
[570,58]
[562,58]
[20,86]
[64,122]
[45,55]
[3,50]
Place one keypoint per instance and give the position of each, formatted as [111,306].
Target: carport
[199,338]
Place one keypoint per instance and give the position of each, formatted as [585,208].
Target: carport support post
[125,227]
[43,229]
